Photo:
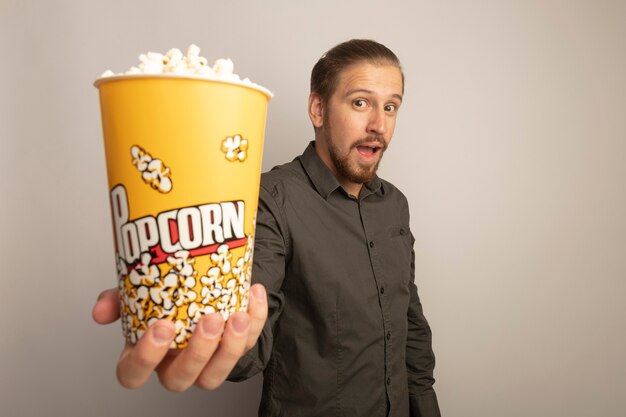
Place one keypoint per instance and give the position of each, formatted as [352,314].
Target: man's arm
[420,359]
[270,252]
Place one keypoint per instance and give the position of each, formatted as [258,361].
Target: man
[345,333]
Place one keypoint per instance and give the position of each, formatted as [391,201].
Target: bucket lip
[101,80]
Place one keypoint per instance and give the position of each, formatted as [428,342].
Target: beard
[355,171]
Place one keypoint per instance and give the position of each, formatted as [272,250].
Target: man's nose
[377,122]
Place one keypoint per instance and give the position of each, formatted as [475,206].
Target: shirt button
[401,231]
[388,335]
[388,381]
[371,243]
[382,290]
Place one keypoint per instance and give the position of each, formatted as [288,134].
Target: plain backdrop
[510,146]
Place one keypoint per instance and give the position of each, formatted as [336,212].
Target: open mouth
[369,151]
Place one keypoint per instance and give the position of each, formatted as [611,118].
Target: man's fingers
[212,353]
[181,372]
[107,308]
[257,309]
[138,361]
[230,350]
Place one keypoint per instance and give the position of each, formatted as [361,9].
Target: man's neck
[351,188]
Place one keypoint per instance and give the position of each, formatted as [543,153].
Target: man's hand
[213,349]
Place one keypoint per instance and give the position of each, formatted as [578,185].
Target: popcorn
[181,331]
[144,274]
[151,63]
[122,269]
[222,283]
[153,171]
[181,263]
[181,295]
[235,148]
[221,258]
[224,68]
[165,293]
[174,63]
[193,52]
[132,70]
[249,248]
[194,311]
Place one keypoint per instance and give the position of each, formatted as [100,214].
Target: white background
[511,148]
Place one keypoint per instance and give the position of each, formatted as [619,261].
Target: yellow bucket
[183,159]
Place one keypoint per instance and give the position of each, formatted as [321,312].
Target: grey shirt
[345,335]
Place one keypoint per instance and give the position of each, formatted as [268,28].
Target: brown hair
[326,71]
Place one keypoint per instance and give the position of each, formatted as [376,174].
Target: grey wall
[511,148]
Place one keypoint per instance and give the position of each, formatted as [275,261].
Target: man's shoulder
[282,175]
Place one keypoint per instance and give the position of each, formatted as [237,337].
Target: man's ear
[316,110]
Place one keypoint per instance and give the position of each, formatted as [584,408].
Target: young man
[345,333]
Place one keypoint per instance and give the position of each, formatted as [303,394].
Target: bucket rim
[101,80]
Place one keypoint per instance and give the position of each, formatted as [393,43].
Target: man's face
[356,125]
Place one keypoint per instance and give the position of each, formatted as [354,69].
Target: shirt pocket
[396,259]
[403,231]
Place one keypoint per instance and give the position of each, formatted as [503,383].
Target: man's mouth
[369,150]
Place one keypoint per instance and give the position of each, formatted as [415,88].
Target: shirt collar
[324,180]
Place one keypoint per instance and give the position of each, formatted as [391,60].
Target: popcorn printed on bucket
[224,283]
[235,148]
[153,171]
[179,295]
[185,275]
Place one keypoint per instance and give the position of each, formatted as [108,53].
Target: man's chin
[363,174]
[354,168]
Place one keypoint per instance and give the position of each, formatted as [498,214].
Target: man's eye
[360,103]
[390,108]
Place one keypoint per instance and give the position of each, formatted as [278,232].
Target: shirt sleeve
[268,269]
[420,359]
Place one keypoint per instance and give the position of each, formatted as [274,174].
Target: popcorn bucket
[183,158]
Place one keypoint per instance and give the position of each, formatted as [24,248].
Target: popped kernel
[235,148]
[153,171]
[221,258]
